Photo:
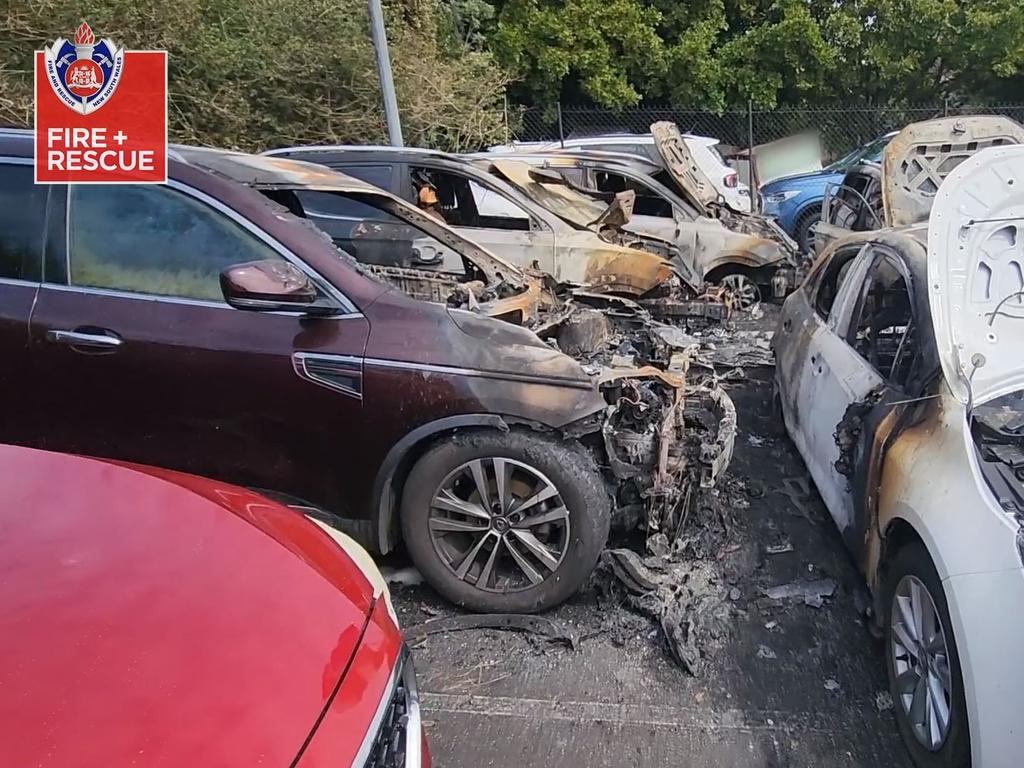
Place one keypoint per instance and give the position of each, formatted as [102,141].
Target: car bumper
[987,611]
[373,718]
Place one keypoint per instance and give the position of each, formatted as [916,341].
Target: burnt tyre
[921,659]
[742,289]
[505,522]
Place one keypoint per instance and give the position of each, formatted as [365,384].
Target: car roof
[367,150]
[635,163]
[265,172]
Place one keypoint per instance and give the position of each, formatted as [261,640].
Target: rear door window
[155,240]
[379,175]
[22,218]
[882,328]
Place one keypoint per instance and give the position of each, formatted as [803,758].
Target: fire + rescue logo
[84,73]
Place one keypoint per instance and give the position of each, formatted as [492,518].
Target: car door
[491,217]
[22,223]
[832,376]
[865,354]
[139,357]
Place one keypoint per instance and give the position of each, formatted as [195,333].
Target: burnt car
[498,216]
[207,325]
[900,375]
[900,191]
[576,186]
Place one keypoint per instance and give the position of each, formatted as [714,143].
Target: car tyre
[802,231]
[911,577]
[558,538]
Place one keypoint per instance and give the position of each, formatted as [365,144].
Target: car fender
[386,495]
[754,254]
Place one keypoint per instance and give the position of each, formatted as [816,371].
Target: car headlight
[781,197]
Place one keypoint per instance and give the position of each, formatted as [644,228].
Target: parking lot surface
[786,684]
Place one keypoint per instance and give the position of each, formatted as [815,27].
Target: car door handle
[94,339]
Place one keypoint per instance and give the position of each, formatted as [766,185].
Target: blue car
[796,200]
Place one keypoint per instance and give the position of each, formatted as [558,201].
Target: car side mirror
[270,286]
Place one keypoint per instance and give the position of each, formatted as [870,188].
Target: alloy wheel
[743,290]
[920,659]
[499,524]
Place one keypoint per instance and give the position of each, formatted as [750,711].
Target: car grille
[397,743]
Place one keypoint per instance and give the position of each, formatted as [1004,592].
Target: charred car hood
[975,266]
[923,154]
[162,619]
[680,164]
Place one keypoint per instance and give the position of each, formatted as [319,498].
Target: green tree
[720,53]
[257,73]
[608,50]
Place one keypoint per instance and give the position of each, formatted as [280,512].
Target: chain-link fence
[841,128]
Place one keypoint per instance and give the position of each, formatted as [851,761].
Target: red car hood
[158,619]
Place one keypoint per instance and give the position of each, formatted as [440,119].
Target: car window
[373,235]
[832,278]
[491,204]
[464,202]
[882,329]
[153,239]
[378,175]
[338,205]
[22,216]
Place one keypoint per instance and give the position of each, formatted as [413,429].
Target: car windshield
[573,207]
[870,153]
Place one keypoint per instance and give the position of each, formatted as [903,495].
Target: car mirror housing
[271,285]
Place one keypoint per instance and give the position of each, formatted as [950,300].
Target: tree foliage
[718,53]
[258,73]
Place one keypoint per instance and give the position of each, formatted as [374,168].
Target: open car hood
[975,265]
[680,164]
[923,154]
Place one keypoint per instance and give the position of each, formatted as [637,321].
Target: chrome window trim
[17,281]
[347,307]
[155,297]
[452,370]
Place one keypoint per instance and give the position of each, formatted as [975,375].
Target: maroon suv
[210,325]
[121,338]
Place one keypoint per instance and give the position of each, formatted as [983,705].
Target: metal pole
[387,83]
[506,120]
[752,186]
[561,131]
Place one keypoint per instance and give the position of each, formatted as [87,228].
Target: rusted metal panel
[923,154]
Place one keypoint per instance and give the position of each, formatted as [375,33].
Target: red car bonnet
[158,619]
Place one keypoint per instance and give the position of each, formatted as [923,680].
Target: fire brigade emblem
[84,72]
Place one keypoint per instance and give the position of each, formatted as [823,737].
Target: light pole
[387,83]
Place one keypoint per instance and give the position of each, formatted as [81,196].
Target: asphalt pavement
[787,684]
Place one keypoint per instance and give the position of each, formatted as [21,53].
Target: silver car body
[890,447]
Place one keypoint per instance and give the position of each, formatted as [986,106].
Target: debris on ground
[883,701]
[799,492]
[550,630]
[832,686]
[780,548]
[813,593]
[686,598]
[764,652]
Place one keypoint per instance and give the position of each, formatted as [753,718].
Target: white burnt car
[900,374]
